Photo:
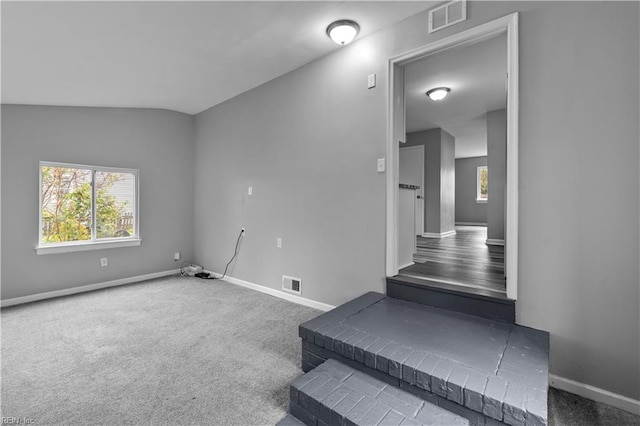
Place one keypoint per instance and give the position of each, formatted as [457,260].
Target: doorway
[398,135]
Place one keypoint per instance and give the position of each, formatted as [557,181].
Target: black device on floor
[205,276]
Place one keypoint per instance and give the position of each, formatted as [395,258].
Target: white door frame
[509,25]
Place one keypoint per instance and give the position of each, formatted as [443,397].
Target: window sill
[481,201]
[86,246]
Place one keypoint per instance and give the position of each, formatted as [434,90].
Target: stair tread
[492,367]
[334,393]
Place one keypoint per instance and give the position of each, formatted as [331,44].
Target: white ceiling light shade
[343,31]
[438,94]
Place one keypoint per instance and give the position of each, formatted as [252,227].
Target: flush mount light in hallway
[438,94]
[343,31]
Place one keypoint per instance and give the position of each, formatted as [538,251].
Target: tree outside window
[86,204]
[482,193]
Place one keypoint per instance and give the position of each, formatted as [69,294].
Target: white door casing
[396,133]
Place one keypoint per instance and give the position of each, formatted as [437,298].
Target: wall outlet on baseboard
[291,284]
[176,255]
[104,261]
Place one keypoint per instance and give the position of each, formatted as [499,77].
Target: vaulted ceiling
[183,56]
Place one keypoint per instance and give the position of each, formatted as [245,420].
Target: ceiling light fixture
[438,94]
[343,31]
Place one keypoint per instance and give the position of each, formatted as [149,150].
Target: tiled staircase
[383,360]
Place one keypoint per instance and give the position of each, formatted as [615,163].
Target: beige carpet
[168,351]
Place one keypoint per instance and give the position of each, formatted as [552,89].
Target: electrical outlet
[104,261]
[279,242]
[242,231]
[250,190]
[176,255]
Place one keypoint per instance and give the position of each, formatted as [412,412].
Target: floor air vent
[447,15]
[291,284]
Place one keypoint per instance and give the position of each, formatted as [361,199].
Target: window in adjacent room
[87,207]
[482,192]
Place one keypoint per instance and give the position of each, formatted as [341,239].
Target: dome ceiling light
[343,31]
[438,94]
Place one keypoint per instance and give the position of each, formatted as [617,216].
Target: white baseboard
[595,394]
[438,235]
[277,293]
[85,288]
[494,242]
[471,224]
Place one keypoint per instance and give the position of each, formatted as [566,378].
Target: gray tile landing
[496,369]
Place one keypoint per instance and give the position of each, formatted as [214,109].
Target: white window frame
[478,198]
[94,243]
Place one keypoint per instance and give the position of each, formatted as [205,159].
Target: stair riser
[313,356]
[453,302]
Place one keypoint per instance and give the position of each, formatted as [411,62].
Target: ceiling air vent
[448,14]
[291,284]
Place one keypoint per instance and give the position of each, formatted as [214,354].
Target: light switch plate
[371,81]
[381,165]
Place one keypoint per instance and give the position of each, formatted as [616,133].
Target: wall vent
[448,14]
[291,284]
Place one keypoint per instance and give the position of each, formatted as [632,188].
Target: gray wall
[467,209]
[308,147]
[447,183]
[308,143]
[497,167]
[572,281]
[439,178]
[158,143]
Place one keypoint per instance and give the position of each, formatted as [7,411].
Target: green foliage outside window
[484,183]
[67,205]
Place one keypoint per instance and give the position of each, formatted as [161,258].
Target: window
[86,208]
[482,191]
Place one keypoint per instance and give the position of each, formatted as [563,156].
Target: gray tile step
[473,301]
[336,394]
[489,371]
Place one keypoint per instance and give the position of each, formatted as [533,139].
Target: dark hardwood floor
[462,259]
